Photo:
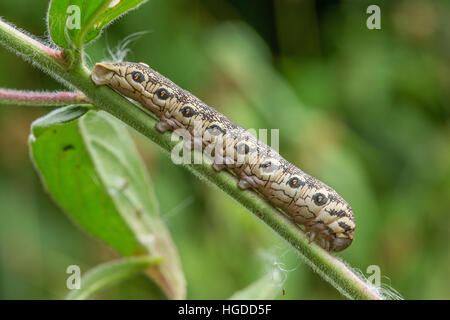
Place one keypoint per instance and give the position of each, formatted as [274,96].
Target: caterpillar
[327,218]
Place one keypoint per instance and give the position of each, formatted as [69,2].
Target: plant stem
[327,266]
[41,99]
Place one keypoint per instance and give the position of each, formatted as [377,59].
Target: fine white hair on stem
[388,291]
[120,51]
[88,59]
[43,41]
[384,290]
[40,98]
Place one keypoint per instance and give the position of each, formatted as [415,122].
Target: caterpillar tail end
[340,244]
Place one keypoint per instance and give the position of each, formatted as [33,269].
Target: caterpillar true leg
[218,167]
[166,124]
[163,126]
[244,184]
[310,235]
[247,181]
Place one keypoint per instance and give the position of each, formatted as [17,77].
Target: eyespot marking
[295,182]
[162,94]
[320,199]
[269,167]
[242,148]
[215,130]
[137,76]
[187,112]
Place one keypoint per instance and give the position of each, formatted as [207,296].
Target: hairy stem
[41,99]
[78,76]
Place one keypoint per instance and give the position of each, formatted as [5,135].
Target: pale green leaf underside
[91,168]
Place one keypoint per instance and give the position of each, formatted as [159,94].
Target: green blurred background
[365,111]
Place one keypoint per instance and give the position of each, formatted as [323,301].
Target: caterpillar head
[137,81]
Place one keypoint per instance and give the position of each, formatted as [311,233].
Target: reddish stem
[41,98]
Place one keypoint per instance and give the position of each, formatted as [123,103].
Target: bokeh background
[366,111]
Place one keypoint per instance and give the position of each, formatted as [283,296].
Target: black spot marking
[344,226]
[68,147]
[330,231]
[319,199]
[187,112]
[138,76]
[335,213]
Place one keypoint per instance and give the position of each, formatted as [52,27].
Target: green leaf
[266,288]
[73,23]
[91,168]
[59,116]
[108,274]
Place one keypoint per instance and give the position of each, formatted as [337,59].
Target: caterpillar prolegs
[327,217]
